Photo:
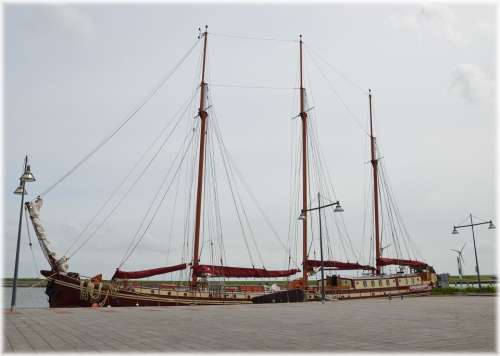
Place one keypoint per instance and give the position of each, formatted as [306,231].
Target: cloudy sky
[73,73]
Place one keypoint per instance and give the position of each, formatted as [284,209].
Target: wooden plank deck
[414,324]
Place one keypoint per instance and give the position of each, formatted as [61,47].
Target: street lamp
[471,225]
[20,190]
[302,216]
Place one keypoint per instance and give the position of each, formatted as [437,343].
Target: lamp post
[20,190]
[471,225]
[338,209]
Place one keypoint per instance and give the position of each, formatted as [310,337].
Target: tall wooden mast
[203,117]
[303,116]
[374,162]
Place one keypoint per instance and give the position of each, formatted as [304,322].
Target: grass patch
[468,290]
[471,278]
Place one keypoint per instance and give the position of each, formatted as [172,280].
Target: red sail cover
[339,265]
[241,272]
[384,261]
[147,272]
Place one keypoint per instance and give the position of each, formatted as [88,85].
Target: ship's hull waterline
[66,291]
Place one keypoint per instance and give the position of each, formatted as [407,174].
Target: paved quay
[457,323]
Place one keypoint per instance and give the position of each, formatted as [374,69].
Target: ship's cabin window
[185,294]
[152,291]
[365,284]
[412,280]
[387,282]
[248,297]
[373,283]
[169,293]
[234,295]
[380,283]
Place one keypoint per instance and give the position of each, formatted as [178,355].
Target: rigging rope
[233,196]
[127,119]
[321,170]
[264,215]
[217,224]
[229,165]
[332,88]
[174,209]
[251,86]
[148,165]
[251,37]
[363,91]
[122,183]
[159,204]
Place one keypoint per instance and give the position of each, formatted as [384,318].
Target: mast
[303,116]
[374,162]
[199,193]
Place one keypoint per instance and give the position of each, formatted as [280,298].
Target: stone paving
[416,324]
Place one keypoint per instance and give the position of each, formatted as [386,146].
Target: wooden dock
[416,324]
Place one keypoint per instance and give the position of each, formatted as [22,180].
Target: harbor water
[26,297]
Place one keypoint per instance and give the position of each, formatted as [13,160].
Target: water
[26,297]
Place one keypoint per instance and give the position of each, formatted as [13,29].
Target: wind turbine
[383,248]
[460,260]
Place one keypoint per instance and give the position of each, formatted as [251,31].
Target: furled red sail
[147,272]
[242,272]
[384,261]
[339,265]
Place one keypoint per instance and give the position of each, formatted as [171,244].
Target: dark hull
[287,296]
[65,291]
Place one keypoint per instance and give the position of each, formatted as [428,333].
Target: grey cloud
[436,19]
[471,83]
[71,19]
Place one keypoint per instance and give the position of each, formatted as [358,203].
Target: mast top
[200,34]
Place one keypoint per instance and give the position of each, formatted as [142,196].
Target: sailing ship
[70,289]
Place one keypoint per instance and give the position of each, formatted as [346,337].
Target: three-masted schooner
[69,289]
